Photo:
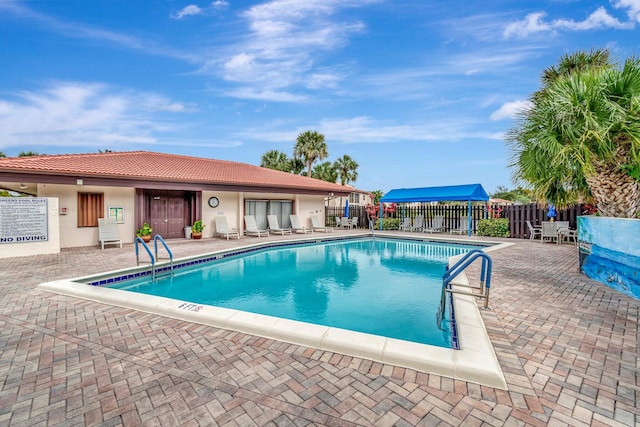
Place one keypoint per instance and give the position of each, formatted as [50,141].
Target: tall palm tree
[296,165]
[310,146]
[275,159]
[325,171]
[581,137]
[347,169]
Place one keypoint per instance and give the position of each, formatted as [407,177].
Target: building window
[90,208]
[354,198]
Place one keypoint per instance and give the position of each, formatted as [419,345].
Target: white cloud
[599,19]
[632,6]
[510,110]
[80,114]
[283,44]
[220,4]
[190,10]
[530,25]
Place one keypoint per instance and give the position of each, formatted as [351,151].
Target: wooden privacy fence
[516,214]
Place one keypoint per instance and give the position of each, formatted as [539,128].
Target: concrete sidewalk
[568,347]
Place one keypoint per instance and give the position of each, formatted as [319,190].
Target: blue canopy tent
[458,193]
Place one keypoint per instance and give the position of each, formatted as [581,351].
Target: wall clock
[214,202]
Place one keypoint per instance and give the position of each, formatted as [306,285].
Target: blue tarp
[468,192]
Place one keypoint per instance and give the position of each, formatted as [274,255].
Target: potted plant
[196,229]
[145,232]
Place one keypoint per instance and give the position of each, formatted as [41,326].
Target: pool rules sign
[23,220]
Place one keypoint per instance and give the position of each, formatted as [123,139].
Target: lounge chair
[549,232]
[317,225]
[463,228]
[354,222]
[223,230]
[274,227]
[533,231]
[437,225]
[297,227]
[251,227]
[418,223]
[108,233]
[406,224]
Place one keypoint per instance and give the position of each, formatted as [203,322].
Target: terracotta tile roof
[151,166]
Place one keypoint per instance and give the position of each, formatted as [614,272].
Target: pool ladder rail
[481,291]
[153,258]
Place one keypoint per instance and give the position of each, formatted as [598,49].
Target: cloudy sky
[419,93]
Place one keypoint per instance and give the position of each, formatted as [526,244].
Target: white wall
[230,205]
[51,246]
[73,236]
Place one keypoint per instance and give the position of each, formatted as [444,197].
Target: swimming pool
[383,287]
[475,361]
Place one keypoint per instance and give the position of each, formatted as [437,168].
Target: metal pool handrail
[146,248]
[155,244]
[456,269]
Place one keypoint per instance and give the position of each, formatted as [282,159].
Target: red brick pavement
[568,347]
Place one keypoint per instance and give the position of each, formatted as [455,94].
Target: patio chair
[297,227]
[108,233]
[274,227]
[251,227]
[565,233]
[354,222]
[418,223]
[317,225]
[223,230]
[533,231]
[463,228]
[406,224]
[437,225]
[549,232]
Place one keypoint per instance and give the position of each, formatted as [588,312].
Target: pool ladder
[481,291]
[153,258]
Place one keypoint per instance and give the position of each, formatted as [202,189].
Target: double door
[167,215]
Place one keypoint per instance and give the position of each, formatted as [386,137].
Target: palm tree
[28,154]
[274,159]
[2,154]
[325,171]
[296,165]
[310,146]
[347,169]
[377,195]
[581,136]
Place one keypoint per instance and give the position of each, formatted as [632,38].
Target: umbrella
[552,211]
[346,209]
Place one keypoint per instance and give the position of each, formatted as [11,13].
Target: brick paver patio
[568,347]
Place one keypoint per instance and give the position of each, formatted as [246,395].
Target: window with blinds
[90,208]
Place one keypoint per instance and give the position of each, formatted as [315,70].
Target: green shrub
[388,224]
[493,227]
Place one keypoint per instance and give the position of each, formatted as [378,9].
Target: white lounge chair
[549,232]
[297,227]
[418,223]
[223,230]
[406,224]
[317,225]
[533,231]
[274,227]
[108,233]
[251,227]
[437,225]
[463,228]
[354,222]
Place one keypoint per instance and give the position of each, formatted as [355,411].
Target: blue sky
[419,93]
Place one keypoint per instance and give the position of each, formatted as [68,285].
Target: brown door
[167,216]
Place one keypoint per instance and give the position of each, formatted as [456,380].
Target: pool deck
[568,347]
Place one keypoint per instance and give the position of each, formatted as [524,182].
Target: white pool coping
[474,362]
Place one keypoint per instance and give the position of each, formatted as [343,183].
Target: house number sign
[23,220]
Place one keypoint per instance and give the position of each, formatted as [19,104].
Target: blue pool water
[378,286]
